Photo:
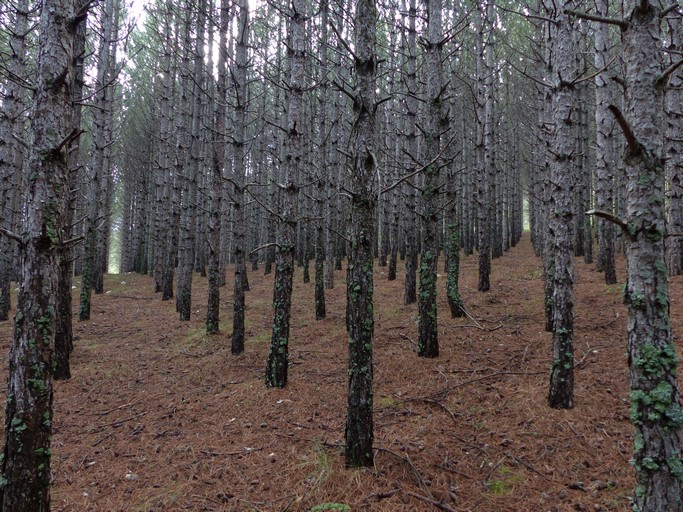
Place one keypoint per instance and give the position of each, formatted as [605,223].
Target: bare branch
[10,234]
[600,19]
[623,124]
[664,77]
[608,216]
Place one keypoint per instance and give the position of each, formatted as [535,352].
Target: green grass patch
[388,402]
[502,481]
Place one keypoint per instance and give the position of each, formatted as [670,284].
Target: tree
[100,155]
[64,326]
[11,151]
[360,313]
[485,144]
[436,125]
[410,287]
[28,418]
[193,170]
[561,213]
[239,173]
[655,409]
[278,358]
[604,160]
[218,161]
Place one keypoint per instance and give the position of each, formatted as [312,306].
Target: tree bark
[561,216]
[360,318]
[278,357]
[655,406]
[28,418]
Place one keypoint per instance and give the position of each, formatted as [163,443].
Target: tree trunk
[410,285]
[98,171]
[436,124]
[28,416]
[278,357]
[561,216]
[239,172]
[218,160]
[11,152]
[655,408]
[674,164]
[360,318]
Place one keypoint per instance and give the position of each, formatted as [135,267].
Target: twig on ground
[382,495]
[118,423]
[104,413]
[454,471]
[406,337]
[431,501]
[101,439]
[407,460]
[526,465]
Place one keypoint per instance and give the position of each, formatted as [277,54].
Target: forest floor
[161,417]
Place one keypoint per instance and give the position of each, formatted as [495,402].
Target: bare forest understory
[161,417]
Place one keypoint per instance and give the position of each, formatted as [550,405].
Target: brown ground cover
[161,417]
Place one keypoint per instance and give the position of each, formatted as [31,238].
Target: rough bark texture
[453,268]
[26,457]
[674,164]
[410,286]
[239,152]
[360,318]
[561,218]
[187,251]
[278,357]
[484,142]
[218,161]
[11,152]
[436,123]
[320,193]
[604,158]
[64,324]
[655,408]
[97,167]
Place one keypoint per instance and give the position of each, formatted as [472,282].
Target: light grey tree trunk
[655,401]
[191,174]
[162,176]
[484,143]
[98,170]
[411,227]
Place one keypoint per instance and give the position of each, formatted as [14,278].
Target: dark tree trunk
[218,160]
[411,228]
[278,357]
[360,318]
[436,123]
[26,457]
[239,151]
[561,218]
[64,325]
